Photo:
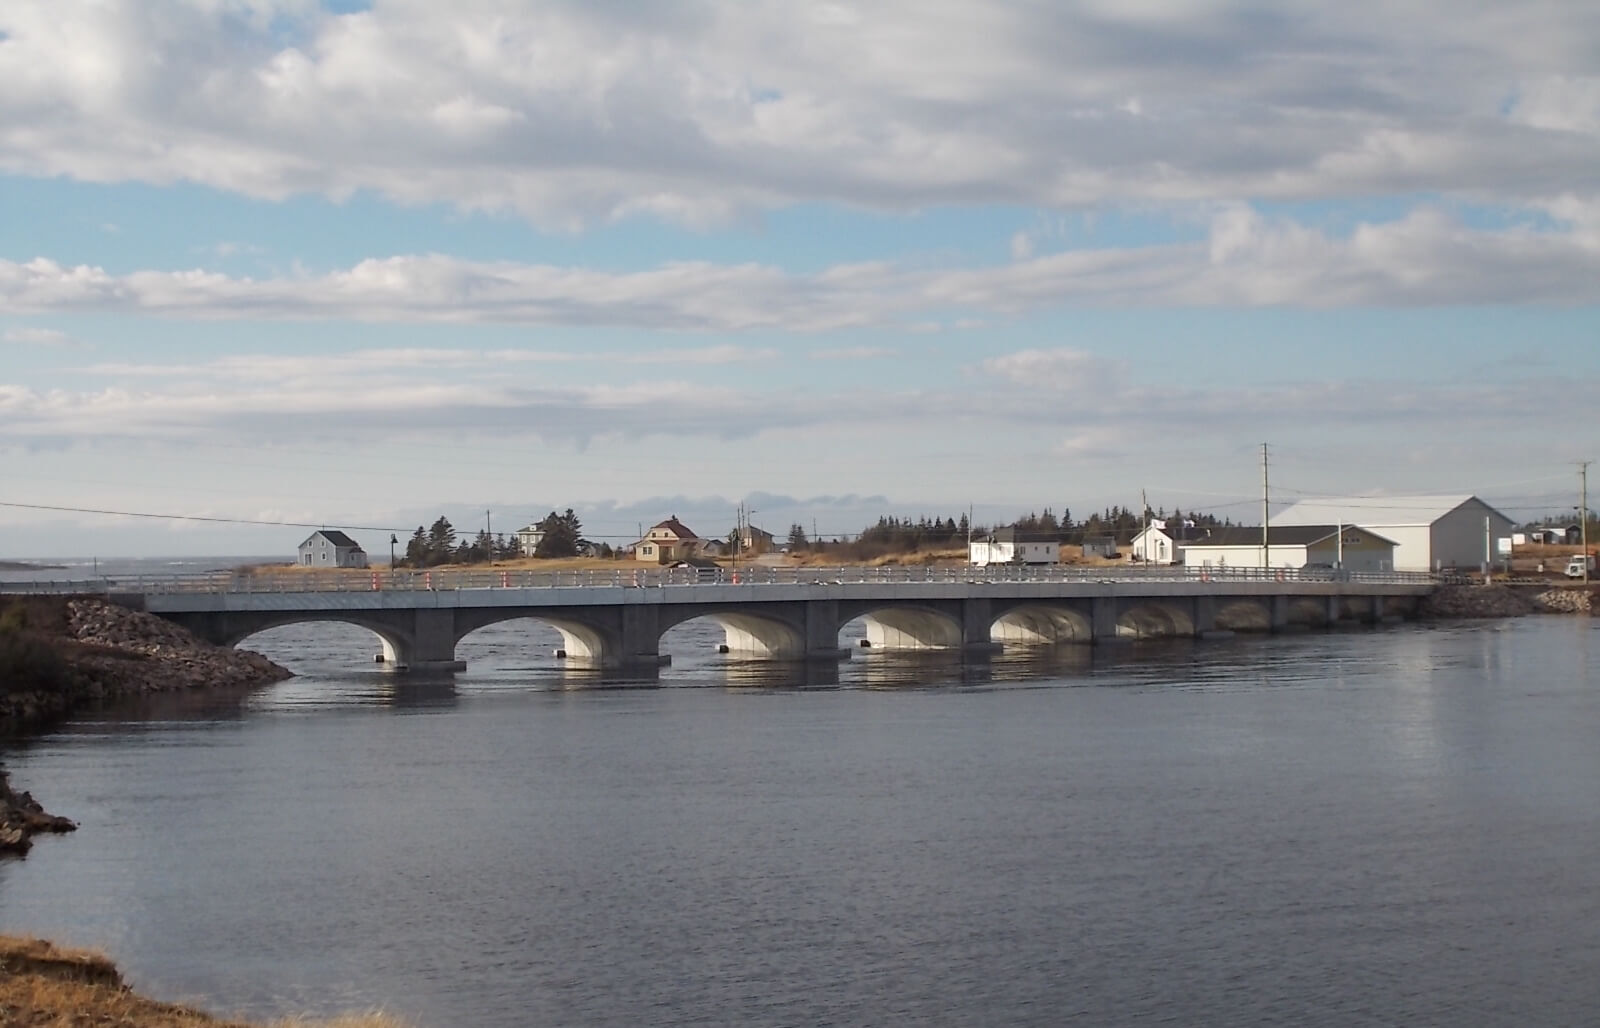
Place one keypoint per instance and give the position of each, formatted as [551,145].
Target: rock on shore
[21,818]
[110,653]
[1502,601]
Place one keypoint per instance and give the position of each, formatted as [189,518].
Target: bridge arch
[1153,619]
[1041,624]
[584,643]
[1245,614]
[394,642]
[1311,611]
[755,636]
[907,627]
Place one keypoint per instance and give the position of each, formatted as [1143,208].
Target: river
[1366,827]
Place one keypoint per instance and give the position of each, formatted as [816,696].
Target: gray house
[329,548]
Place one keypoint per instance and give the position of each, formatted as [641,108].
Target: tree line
[894,535]
[562,536]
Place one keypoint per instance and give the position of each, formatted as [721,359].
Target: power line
[194,517]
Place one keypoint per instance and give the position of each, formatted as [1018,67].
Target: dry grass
[47,986]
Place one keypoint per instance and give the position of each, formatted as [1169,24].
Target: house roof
[535,529]
[334,536]
[1374,510]
[1099,540]
[1277,535]
[674,526]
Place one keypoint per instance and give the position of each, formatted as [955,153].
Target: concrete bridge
[615,619]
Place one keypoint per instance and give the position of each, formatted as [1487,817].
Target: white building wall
[1458,537]
[1155,547]
[1243,556]
[985,552]
[1413,545]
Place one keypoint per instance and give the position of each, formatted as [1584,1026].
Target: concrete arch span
[752,636]
[1041,625]
[911,628]
[584,644]
[394,643]
[1154,620]
[1313,611]
[1246,615]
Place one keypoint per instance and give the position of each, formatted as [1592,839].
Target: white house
[329,548]
[1351,547]
[1008,546]
[1429,532]
[1155,545]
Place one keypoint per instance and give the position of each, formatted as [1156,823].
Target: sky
[363,264]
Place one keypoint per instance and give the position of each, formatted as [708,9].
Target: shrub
[28,663]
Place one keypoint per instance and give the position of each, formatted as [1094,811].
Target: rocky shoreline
[1503,601]
[62,655]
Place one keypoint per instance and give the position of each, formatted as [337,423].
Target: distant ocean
[86,569]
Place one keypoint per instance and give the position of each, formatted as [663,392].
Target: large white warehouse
[1429,532]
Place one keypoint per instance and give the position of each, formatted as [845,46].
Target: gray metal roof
[1374,510]
[334,536]
[1278,535]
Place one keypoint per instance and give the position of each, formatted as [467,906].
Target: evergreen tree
[417,550]
[441,541]
[562,533]
[797,538]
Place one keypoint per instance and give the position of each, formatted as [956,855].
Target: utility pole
[1145,503]
[1266,510]
[488,535]
[1583,514]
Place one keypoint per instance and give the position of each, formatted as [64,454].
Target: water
[1357,828]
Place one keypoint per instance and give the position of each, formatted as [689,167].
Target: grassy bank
[46,986]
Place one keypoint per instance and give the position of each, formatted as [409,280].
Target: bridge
[615,619]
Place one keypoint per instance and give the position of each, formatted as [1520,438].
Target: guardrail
[654,577]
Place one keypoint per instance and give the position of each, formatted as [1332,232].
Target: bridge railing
[657,577]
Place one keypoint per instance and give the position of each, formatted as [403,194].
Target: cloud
[1037,394]
[1427,258]
[1062,370]
[854,353]
[38,337]
[695,110]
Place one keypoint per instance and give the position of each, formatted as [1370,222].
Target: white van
[1575,566]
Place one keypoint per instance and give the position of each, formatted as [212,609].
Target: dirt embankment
[44,986]
[1501,601]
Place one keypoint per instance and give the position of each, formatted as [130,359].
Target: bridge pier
[822,632]
[1103,617]
[977,624]
[1278,613]
[432,646]
[640,647]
